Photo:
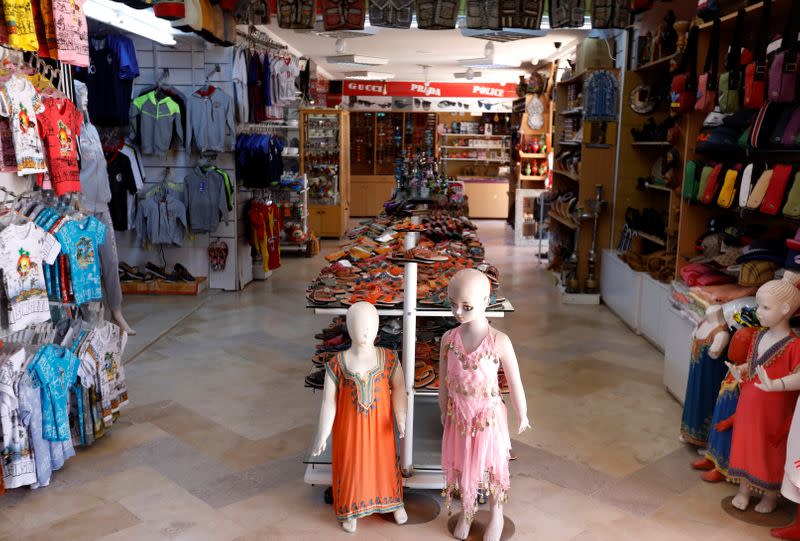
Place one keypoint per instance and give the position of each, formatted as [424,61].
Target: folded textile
[719,294]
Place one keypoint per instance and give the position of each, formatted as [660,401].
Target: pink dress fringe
[476,444]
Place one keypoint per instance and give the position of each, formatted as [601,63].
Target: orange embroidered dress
[366,471]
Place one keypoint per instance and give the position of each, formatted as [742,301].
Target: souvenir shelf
[420,449]
[376,140]
[595,141]
[325,161]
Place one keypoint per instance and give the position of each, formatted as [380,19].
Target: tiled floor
[211,446]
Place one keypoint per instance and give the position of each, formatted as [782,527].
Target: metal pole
[409,347]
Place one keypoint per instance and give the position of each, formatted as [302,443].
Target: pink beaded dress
[476,444]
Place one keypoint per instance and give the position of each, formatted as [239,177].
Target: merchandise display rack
[420,449]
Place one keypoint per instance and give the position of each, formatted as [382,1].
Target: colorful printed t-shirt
[80,241]
[103,349]
[59,126]
[72,35]
[23,250]
[19,24]
[21,103]
[54,370]
[19,468]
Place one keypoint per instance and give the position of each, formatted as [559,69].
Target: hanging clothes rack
[256,37]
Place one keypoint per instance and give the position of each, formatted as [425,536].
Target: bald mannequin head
[469,291]
[362,323]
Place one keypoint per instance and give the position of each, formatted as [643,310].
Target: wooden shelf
[730,18]
[657,187]
[574,79]
[483,160]
[533,177]
[482,135]
[576,177]
[532,156]
[652,144]
[652,238]
[563,221]
[661,62]
[498,147]
[571,143]
[575,111]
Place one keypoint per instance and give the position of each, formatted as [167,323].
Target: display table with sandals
[394,261]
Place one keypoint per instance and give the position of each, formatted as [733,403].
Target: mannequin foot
[767,504]
[495,527]
[461,530]
[349,525]
[703,464]
[787,532]
[742,499]
[400,516]
[117,315]
[712,476]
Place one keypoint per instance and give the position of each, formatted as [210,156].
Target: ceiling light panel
[367,75]
[359,59]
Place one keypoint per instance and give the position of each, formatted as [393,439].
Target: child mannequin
[360,385]
[791,474]
[476,443]
[706,371]
[758,449]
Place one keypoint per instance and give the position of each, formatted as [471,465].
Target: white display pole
[409,351]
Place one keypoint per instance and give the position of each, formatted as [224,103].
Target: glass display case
[325,160]
[362,139]
[420,134]
[388,139]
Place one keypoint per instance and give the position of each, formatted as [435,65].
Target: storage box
[593,53]
[165,287]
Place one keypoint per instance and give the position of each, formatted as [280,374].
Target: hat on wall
[756,273]
[763,250]
[793,256]
[728,255]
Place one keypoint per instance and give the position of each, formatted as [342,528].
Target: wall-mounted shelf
[481,135]
[570,143]
[660,63]
[495,147]
[652,238]
[529,155]
[575,111]
[652,144]
[563,221]
[482,160]
[572,176]
[533,177]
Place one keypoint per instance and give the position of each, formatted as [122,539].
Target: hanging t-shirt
[59,127]
[80,241]
[121,183]
[38,23]
[109,79]
[103,349]
[23,250]
[285,71]
[72,34]
[95,193]
[20,102]
[19,468]
[54,370]
[273,223]
[8,159]
[255,92]
[19,24]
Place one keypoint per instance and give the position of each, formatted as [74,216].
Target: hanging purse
[437,14]
[391,13]
[730,81]
[755,74]
[690,183]
[566,13]
[343,14]
[483,14]
[759,190]
[707,82]
[712,183]
[728,191]
[763,126]
[683,91]
[792,207]
[296,14]
[610,14]
[783,69]
[637,6]
[705,174]
[773,199]
[525,14]
[750,175]
[790,138]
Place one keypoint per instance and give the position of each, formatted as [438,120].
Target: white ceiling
[441,49]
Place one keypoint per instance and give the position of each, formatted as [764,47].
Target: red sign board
[402,89]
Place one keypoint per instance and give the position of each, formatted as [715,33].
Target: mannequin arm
[443,376]
[511,369]
[786,383]
[399,399]
[327,415]
[718,345]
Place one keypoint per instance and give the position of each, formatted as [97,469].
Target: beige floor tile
[86,525]
[125,484]
[45,506]
[169,502]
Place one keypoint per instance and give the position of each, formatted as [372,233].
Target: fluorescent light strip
[368,75]
[141,22]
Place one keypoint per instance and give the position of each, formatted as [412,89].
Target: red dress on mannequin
[758,450]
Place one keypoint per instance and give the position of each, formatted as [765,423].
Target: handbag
[755,74]
[390,13]
[525,14]
[792,207]
[566,13]
[296,14]
[750,175]
[707,82]
[773,199]
[728,190]
[759,190]
[690,183]
[783,69]
[683,94]
[705,174]
[437,14]
[730,81]
[343,14]
[791,134]
[610,14]
[483,14]
[712,183]
[763,126]
[637,6]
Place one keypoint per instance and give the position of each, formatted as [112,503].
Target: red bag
[683,91]
[712,185]
[773,200]
[755,74]
[707,82]
[343,14]
[783,70]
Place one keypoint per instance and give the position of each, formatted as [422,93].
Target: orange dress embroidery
[366,471]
